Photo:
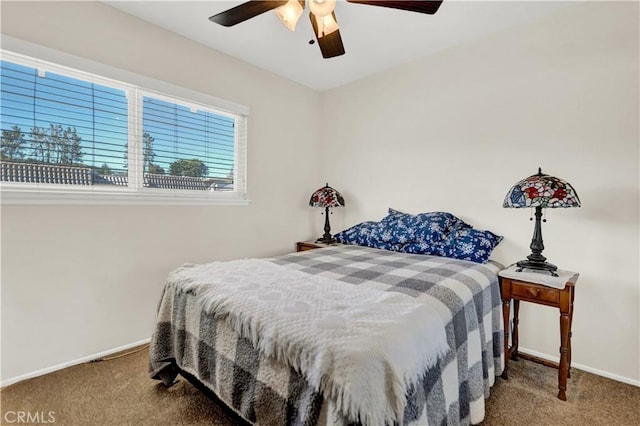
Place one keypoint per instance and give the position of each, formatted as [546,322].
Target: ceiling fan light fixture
[326,24]
[290,13]
[321,14]
[322,7]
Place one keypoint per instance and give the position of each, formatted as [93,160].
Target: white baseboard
[82,360]
[583,367]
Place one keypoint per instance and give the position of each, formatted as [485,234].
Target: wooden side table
[309,245]
[520,287]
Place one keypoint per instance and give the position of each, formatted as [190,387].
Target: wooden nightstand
[309,245]
[522,288]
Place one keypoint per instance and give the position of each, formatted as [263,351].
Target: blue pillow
[365,234]
[396,228]
[430,228]
[383,245]
[358,234]
[467,243]
[435,233]
[395,213]
[441,248]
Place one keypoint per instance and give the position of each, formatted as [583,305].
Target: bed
[221,358]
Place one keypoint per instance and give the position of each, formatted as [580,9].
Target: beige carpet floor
[119,392]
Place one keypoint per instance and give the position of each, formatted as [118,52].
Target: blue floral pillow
[429,228]
[395,228]
[435,233]
[467,243]
[358,234]
[436,226]
[365,234]
[384,246]
[441,248]
[395,213]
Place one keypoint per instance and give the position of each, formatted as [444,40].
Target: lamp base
[326,237]
[325,240]
[539,266]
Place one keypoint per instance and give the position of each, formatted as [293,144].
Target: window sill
[10,195]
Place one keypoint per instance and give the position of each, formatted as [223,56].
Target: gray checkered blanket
[263,391]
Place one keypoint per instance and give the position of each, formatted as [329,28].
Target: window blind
[67,127]
[60,129]
[190,141]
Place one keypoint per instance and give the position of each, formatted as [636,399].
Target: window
[66,131]
[179,140]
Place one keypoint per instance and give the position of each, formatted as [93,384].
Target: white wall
[450,132]
[456,130]
[78,280]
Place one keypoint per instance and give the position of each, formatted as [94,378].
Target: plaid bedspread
[266,392]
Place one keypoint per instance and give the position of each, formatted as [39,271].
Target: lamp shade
[541,190]
[326,197]
[322,7]
[290,13]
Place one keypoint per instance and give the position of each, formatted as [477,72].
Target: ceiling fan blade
[426,6]
[330,44]
[245,11]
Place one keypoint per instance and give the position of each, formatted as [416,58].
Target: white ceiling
[375,38]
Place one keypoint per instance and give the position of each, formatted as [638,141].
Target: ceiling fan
[322,16]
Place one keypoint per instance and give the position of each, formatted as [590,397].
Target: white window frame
[136,86]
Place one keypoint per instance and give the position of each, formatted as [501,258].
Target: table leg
[514,333]
[570,332]
[505,316]
[563,370]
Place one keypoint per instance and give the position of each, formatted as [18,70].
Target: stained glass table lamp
[327,198]
[540,191]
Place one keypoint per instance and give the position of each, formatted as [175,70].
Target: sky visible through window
[95,118]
